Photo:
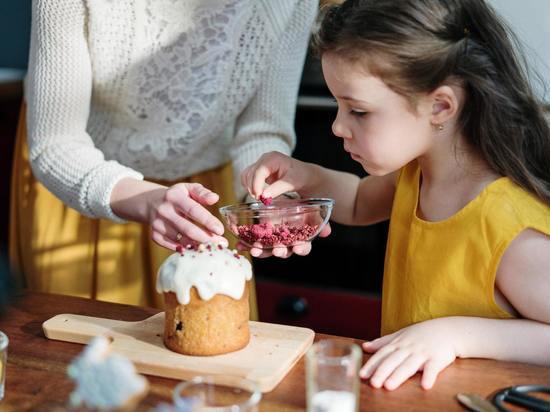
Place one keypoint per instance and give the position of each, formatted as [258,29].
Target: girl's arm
[358,201]
[523,277]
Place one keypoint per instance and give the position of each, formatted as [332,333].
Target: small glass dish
[284,222]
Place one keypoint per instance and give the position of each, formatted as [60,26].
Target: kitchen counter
[37,379]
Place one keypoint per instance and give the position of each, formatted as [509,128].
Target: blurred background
[336,289]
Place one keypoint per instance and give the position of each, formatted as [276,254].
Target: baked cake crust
[206,327]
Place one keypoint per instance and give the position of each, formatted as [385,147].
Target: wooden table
[37,379]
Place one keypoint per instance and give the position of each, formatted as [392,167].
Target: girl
[433,103]
[139,111]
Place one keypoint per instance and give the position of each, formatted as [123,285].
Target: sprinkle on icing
[103,380]
[221,271]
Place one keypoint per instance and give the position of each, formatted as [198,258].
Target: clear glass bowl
[284,222]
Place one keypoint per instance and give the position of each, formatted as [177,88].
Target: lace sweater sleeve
[267,124]
[58,92]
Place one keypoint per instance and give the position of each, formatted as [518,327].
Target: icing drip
[211,268]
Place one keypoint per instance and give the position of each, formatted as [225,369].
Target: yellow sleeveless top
[448,268]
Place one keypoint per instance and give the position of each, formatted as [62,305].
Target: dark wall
[15,17]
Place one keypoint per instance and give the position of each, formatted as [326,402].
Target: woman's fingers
[201,194]
[188,228]
[164,241]
[192,210]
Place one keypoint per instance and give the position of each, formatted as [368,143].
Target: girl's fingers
[404,371]
[325,231]
[277,188]
[262,172]
[244,177]
[387,367]
[302,249]
[282,252]
[376,344]
[431,371]
[372,364]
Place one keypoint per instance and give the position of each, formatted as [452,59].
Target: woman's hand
[179,217]
[427,346]
[272,175]
[177,214]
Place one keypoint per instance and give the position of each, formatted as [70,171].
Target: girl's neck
[451,161]
[452,175]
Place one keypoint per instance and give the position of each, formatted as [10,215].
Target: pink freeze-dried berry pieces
[179,249]
[266,200]
[269,235]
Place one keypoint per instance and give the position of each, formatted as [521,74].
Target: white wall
[530,20]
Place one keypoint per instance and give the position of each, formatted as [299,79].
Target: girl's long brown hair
[417,45]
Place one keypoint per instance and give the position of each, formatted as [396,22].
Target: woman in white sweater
[144,111]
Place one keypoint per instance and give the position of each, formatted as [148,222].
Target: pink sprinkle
[266,200]
[220,247]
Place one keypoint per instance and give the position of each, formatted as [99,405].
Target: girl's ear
[445,102]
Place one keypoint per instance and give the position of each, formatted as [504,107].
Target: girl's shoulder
[511,205]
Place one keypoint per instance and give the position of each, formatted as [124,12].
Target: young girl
[434,105]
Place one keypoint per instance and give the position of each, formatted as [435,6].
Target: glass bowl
[284,222]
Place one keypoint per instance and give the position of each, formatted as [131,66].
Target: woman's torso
[170,78]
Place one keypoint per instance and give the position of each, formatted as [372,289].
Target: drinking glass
[210,393]
[3,362]
[332,373]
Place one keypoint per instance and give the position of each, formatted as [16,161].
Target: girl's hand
[427,346]
[282,252]
[272,175]
[178,217]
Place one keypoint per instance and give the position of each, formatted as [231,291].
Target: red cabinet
[325,311]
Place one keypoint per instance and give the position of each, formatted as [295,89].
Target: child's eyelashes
[357,113]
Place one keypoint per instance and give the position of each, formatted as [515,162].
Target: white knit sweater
[159,88]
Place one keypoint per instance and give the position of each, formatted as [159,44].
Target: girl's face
[378,126]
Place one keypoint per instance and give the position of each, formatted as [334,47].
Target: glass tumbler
[208,393]
[332,373]
[3,362]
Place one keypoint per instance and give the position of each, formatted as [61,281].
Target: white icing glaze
[103,380]
[211,269]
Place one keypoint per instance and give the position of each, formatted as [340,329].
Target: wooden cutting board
[272,352]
